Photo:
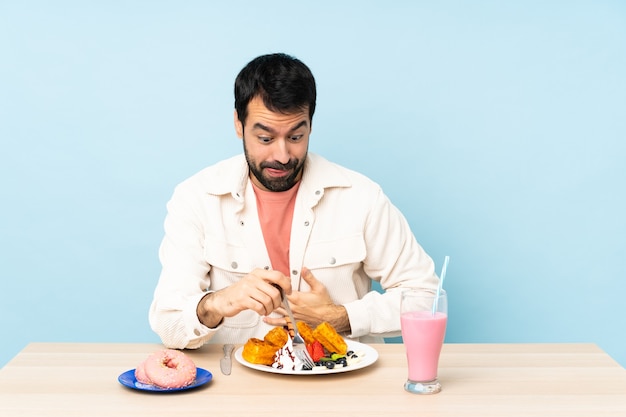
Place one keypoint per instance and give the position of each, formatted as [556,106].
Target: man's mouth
[273,172]
[276,170]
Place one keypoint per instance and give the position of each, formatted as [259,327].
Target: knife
[226,361]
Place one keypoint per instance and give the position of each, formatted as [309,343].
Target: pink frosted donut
[169,368]
[140,374]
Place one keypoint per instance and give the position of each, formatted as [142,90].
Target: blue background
[498,128]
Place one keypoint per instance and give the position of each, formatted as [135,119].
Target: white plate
[369,355]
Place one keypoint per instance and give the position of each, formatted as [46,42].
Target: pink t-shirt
[275,215]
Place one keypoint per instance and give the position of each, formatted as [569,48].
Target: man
[277,215]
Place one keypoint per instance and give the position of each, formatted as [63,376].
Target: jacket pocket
[337,264]
[335,253]
[228,265]
[228,258]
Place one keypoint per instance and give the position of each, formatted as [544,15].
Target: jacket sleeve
[184,277]
[394,259]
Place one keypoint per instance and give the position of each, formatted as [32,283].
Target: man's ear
[238,126]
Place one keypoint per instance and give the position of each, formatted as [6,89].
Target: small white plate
[368,355]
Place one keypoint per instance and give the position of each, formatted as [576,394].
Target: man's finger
[310,279]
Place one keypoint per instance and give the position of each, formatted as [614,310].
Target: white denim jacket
[345,230]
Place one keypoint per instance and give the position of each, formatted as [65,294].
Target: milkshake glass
[423,331]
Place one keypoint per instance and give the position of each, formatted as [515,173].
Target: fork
[299,345]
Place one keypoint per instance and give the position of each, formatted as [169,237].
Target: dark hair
[284,83]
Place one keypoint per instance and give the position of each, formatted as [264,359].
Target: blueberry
[330,364]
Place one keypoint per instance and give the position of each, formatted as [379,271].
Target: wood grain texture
[75,379]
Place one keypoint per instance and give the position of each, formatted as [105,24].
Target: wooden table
[52,379]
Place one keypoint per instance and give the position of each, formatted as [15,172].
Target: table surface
[80,379]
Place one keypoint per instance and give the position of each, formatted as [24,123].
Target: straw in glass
[439,287]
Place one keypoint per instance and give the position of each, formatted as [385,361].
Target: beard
[276,184]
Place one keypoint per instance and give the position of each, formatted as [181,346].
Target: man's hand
[314,307]
[253,292]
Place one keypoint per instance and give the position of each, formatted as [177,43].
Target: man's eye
[295,138]
[265,139]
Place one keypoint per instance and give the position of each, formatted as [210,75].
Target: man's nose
[281,151]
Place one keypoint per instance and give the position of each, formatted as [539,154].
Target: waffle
[330,339]
[262,351]
[306,332]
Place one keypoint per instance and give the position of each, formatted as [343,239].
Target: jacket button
[294,272]
[306,223]
[333,261]
[234,265]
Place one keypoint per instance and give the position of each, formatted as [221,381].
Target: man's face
[275,145]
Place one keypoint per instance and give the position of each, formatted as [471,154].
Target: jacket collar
[232,176]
